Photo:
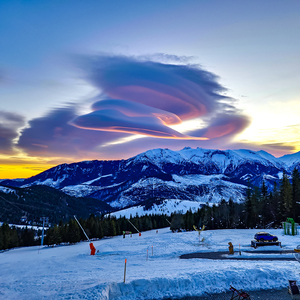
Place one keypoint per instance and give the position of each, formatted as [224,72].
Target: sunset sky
[83,80]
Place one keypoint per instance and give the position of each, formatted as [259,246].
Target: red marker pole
[147,255]
[152,250]
[125,269]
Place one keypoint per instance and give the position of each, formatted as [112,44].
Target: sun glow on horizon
[21,171]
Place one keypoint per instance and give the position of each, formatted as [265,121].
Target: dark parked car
[265,237]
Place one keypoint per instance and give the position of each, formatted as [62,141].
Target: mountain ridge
[202,175]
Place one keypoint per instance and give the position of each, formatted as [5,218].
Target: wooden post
[125,269]
[147,255]
[240,249]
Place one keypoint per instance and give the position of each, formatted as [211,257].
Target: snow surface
[83,190]
[33,227]
[98,178]
[69,272]
[6,190]
[220,158]
[48,182]
[216,186]
[80,190]
[167,207]
[290,159]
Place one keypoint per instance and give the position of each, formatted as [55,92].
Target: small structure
[297,254]
[127,232]
[199,232]
[290,227]
[24,218]
[238,294]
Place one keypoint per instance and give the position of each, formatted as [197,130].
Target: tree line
[96,227]
[12,237]
[260,209]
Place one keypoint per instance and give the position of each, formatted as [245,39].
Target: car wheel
[274,240]
[261,240]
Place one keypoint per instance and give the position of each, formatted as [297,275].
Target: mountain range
[197,175]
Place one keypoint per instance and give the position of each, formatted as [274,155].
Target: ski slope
[69,272]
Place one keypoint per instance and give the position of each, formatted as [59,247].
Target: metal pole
[125,269]
[82,228]
[133,226]
[42,241]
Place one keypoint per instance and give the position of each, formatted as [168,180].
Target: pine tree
[248,208]
[73,232]
[286,196]
[105,227]
[27,237]
[56,235]
[112,227]
[255,199]
[14,238]
[189,220]
[177,222]
[5,235]
[223,214]
[265,209]
[276,205]
[1,239]
[296,194]
[232,216]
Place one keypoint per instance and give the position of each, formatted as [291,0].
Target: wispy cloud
[52,136]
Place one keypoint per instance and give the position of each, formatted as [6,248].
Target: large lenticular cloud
[138,98]
[148,97]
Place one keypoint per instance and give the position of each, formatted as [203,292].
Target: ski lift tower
[45,221]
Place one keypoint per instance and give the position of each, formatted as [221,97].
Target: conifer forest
[260,209]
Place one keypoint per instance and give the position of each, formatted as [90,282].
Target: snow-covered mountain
[200,175]
[291,161]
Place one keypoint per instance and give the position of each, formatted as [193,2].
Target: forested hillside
[42,201]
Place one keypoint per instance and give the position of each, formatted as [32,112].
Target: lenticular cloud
[130,117]
[138,98]
[146,97]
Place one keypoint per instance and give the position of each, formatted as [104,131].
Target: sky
[84,80]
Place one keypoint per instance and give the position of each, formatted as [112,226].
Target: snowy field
[69,272]
[167,207]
